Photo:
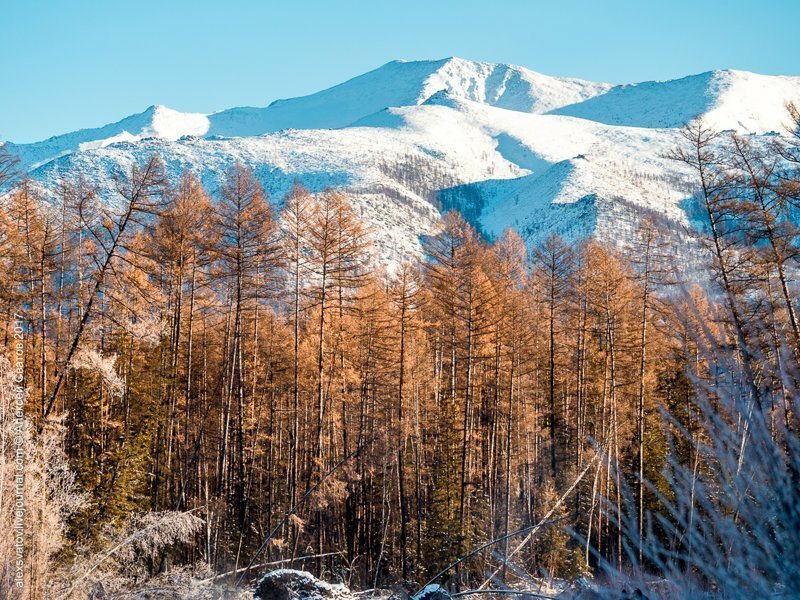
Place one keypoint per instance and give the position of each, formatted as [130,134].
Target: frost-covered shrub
[732,522]
[102,366]
[131,554]
[43,493]
[48,496]
[148,535]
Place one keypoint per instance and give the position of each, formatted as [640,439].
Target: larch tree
[248,256]
[722,215]
[139,198]
[297,216]
[554,262]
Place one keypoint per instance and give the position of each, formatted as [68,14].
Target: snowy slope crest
[737,100]
[156,121]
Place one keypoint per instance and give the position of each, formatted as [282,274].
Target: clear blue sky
[65,65]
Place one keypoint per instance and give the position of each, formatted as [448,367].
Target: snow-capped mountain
[398,83]
[506,146]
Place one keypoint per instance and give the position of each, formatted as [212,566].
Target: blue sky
[67,65]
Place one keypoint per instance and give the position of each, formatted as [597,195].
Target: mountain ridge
[648,104]
[396,83]
[478,137]
[725,98]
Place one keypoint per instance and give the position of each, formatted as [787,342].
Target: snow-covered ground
[507,146]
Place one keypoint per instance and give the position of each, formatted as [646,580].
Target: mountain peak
[169,124]
[724,98]
[401,83]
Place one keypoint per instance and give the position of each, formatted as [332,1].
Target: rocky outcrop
[432,592]
[288,584]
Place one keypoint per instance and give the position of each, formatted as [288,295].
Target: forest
[195,379]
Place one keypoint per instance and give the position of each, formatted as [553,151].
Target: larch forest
[210,380]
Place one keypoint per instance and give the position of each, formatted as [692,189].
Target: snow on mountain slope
[561,159]
[403,165]
[391,177]
[398,83]
[156,121]
[402,83]
[738,100]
